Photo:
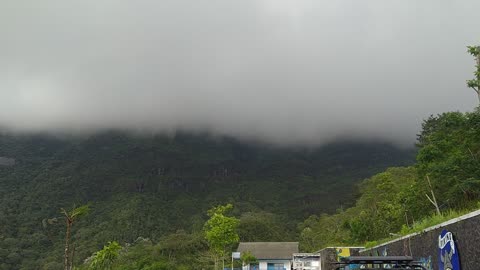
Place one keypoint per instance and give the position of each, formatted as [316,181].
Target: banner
[448,253]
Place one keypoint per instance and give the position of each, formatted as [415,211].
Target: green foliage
[248,258]
[158,186]
[371,244]
[380,210]
[394,201]
[70,218]
[449,153]
[473,50]
[178,251]
[104,258]
[221,230]
[433,220]
[323,231]
[139,255]
[475,83]
[263,227]
[76,212]
[419,226]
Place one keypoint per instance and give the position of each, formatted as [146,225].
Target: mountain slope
[156,185]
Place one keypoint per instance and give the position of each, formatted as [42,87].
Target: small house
[269,255]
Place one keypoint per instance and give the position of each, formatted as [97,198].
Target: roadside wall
[424,246]
[331,255]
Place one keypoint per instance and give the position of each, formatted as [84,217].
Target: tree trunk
[67,239]
[223,258]
[72,257]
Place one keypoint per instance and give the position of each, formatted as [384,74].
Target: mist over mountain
[315,121]
[286,72]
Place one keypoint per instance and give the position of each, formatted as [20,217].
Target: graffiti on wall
[384,253]
[426,262]
[342,253]
[448,253]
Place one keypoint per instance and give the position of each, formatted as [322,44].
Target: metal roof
[270,250]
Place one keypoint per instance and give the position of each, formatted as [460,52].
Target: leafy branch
[475,83]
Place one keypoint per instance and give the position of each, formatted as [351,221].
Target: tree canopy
[221,230]
[395,201]
[475,82]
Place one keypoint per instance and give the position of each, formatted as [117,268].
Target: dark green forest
[151,194]
[159,135]
[395,201]
[153,201]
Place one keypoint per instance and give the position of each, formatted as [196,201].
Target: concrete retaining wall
[424,246]
[331,255]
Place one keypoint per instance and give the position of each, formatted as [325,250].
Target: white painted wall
[264,264]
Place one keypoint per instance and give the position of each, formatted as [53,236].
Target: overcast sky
[285,71]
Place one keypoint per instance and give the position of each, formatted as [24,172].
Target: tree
[475,83]
[383,207]
[221,231]
[70,217]
[449,154]
[261,226]
[104,258]
[248,258]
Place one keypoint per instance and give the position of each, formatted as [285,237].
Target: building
[331,255]
[306,261]
[270,255]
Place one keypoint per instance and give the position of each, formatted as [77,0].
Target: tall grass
[433,220]
[424,224]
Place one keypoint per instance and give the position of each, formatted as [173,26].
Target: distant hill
[153,185]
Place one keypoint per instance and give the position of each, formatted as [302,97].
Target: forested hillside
[161,186]
[401,200]
[150,194]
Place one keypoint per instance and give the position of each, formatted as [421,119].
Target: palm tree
[70,218]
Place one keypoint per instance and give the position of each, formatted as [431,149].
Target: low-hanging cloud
[284,71]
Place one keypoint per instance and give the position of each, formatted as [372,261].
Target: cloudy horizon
[281,71]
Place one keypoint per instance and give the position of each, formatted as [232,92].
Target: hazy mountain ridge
[151,186]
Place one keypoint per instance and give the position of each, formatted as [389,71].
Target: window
[275,266]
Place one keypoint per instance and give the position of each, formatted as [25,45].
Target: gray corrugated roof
[269,250]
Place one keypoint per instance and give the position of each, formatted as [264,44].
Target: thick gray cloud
[288,71]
